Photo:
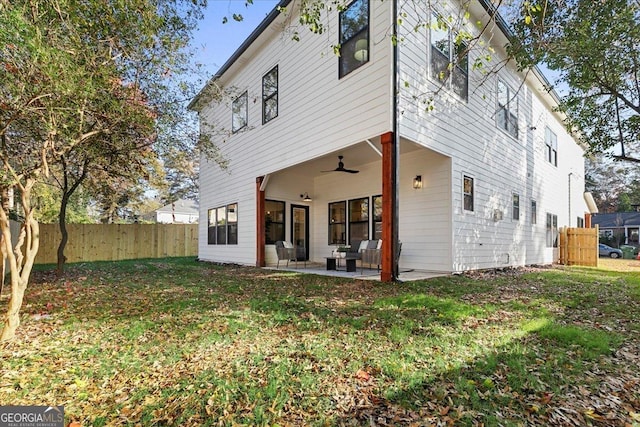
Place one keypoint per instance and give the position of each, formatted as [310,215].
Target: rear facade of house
[486,173]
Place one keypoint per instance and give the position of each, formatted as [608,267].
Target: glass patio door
[300,230]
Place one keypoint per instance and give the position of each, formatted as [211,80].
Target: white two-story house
[461,166]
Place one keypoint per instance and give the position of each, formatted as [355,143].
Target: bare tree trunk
[20,264]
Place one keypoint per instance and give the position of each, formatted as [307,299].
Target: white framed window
[551,146]
[534,212]
[507,111]
[449,57]
[552,230]
[354,37]
[515,206]
[270,95]
[239,114]
[468,190]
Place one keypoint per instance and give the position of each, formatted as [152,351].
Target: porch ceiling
[355,157]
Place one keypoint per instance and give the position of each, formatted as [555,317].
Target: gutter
[242,49]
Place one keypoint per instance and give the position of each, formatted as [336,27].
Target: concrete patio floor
[359,274]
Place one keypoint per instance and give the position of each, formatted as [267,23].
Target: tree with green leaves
[595,48]
[77,77]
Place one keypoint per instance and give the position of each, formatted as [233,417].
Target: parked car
[604,250]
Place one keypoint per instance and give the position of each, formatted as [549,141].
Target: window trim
[511,97]
[453,62]
[362,30]
[472,194]
[214,223]
[552,230]
[374,220]
[534,212]
[284,221]
[367,220]
[271,96]
[332,224]
[551,146]
[515,206]
[234,128]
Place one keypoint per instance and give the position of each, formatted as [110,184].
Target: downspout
[395,160]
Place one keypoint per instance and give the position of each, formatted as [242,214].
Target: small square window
[534,212]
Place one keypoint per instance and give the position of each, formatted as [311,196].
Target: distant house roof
[181,206]
[616,220]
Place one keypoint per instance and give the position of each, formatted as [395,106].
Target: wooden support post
[388,181]
[260,237]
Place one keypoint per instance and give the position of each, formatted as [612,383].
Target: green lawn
[177,342]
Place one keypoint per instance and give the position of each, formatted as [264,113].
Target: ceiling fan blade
[349,170]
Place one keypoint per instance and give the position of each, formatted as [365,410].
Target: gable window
[354,37]
[222,226]
[239,113]
[552,230]
[551,146]
[449,58]
[515,211]
[274,221]
[270,95]
[467,193]
[338,223]
[507,114]
[534,212]
[358,219]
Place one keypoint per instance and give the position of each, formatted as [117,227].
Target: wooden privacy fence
[112,242]
[579,246]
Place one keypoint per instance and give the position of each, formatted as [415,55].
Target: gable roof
[616,219]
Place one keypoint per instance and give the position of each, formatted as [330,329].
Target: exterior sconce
[417,182]
[361,53]
[305,197]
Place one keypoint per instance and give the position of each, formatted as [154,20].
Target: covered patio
[320,269]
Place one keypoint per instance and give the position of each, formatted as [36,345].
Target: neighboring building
[483,180]
[179,212]
[620,228]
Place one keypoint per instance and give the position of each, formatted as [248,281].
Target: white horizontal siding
[317,113]
[500,164]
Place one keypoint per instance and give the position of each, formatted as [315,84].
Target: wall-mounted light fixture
[305,197]
[417,182]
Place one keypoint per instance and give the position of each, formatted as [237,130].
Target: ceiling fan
[341,167]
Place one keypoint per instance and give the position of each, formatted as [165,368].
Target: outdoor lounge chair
[287,252]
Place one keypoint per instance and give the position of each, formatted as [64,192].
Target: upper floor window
[467,191]
[507,114]
[551,146]
[270,95]
[354,37]
[449,58]
[239,113]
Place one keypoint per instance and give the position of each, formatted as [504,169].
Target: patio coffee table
[333,265]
